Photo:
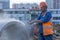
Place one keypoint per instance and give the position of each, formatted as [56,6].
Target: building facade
[49,4]
[25,6]
[56,4]
[4,4]
[55,15]
[53,4]
[19,14]
[26,14]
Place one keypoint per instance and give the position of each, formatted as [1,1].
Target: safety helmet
[43,4]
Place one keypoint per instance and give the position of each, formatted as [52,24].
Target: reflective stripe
[51,20]
[48,27]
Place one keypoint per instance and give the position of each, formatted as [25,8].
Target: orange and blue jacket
[46,24]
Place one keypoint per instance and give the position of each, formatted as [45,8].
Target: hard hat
[43,4]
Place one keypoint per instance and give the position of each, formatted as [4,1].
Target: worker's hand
[31,22]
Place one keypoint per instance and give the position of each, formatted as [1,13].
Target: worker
[45,22]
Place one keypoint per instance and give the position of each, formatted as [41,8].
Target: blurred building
[55,15]
[27,14]
[56,4]
[25,6]
[19,14]
[33,8]
[4,4]
[49,4]
[53,4]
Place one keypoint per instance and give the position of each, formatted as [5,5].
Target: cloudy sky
[24,1]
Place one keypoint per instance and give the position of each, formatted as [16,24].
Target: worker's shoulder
[48,13]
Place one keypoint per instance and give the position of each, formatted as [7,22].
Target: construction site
[29,21]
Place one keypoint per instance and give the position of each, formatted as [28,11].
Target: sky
[25,1]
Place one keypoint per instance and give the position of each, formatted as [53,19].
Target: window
[16,12]
[27,11]
[58,12]
[56,18]
[10,12]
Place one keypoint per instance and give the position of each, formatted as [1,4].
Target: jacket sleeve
[39,17]
[47,17]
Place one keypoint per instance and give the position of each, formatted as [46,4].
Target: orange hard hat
[43,4]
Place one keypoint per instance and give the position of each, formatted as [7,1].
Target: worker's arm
[38,18]
[45,19]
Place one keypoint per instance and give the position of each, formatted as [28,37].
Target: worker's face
[43,9]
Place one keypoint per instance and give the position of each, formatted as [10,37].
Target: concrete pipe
[11,29]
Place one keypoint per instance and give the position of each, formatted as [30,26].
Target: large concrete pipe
[11,29]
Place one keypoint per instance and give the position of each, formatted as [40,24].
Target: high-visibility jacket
[46,24]
[47,28]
